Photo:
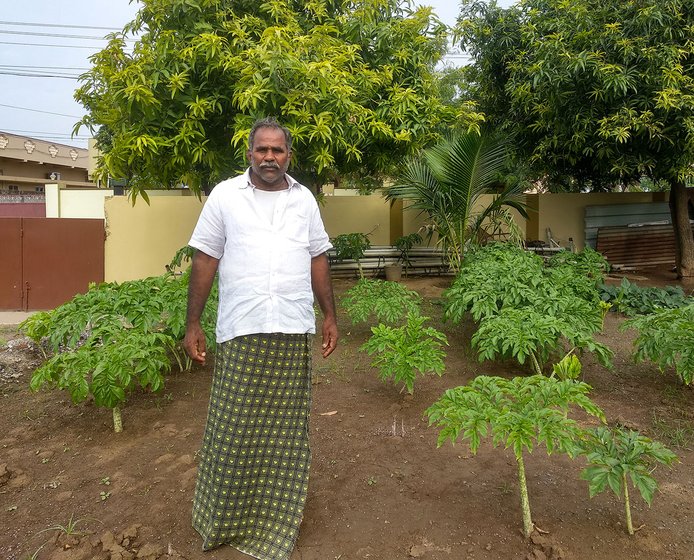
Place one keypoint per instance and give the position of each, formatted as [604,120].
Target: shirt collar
[291,182]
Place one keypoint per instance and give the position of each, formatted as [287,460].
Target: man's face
[269,159]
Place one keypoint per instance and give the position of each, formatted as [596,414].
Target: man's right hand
[195,344]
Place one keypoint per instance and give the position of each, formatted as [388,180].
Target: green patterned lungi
[253,473]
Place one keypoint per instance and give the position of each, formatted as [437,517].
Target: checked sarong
[253,473]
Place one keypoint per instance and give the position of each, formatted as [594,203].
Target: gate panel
[11,264]
[61,257]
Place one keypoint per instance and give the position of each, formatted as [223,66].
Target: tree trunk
[684,241]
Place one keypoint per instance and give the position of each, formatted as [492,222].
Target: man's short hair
[270,122]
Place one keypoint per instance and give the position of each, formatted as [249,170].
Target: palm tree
[446,182]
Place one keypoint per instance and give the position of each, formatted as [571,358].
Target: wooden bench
[423,260]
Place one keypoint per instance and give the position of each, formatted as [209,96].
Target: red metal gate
[47,261]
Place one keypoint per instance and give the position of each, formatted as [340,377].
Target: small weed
[371,481]
[104,496]
[106,481]
[677,433]
[70,528]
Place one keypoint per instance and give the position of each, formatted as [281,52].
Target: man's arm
[201,277]
[323,292]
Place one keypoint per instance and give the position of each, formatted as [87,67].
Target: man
[263,234]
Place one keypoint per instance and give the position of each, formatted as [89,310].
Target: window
[40,189]
[13,188]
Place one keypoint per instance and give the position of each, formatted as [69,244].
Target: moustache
[269,166]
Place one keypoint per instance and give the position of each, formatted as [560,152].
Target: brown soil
[380,488]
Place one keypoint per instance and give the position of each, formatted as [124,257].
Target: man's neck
[258,183]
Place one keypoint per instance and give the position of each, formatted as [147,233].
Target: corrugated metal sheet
[640,246]
[609,215]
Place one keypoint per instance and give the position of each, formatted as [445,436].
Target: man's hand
[195,344]
[329,337]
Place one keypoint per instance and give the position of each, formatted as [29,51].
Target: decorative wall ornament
[4,141]
[53,150]
[74,154]
[29,146]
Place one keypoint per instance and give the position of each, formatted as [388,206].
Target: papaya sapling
[519,413]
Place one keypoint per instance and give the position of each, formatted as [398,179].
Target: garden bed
[379,489]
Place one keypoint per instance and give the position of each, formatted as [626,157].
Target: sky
[37,82]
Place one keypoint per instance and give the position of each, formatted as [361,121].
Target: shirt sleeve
[319,242]
[209,234]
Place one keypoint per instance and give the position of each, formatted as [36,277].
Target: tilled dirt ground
[71,489]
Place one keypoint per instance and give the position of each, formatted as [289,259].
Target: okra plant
[616,456]
[401,352]
[384,301]
[518,413]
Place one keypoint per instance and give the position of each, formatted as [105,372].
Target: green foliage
[404,244]
[568,368]
[587,262]
[616,456]
[116,337]
[353,81]
[596,94]
[665,338]
[526,310]
[403,351]
[351,246]
[604,102]
[386,302]
[108,370]
[631,299]
[445,182]
[519,413]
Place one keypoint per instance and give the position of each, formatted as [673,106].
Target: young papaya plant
[526,311]
[109,370]
[115,337]
[666,338]
[616,456]
[518,413]
[403,351]
[386,302]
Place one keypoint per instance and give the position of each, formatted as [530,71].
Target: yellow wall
[349,214]
[75,203]
[142,239]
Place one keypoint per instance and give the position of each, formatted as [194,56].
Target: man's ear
[248,155]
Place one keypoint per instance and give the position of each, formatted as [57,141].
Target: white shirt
[265,265]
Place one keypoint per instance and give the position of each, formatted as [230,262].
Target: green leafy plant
[403,351]
[526,311]
[446,182]
[351,246]
[108,370]
[387,302]
[114,338]
[518,413]
[616,456]
[666,338]
[404,244]
[587,262]
[631,299]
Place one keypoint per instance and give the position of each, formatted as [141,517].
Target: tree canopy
[353,80]
[594,92]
